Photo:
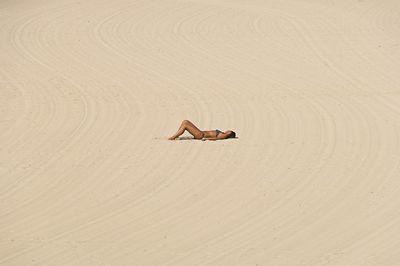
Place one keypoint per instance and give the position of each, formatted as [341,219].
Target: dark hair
[232,135]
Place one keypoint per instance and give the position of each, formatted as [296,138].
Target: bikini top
[218,132]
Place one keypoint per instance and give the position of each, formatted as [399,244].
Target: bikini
[218,132]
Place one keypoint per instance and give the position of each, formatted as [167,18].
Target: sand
[91,90]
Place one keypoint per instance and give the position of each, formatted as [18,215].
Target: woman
[203,135]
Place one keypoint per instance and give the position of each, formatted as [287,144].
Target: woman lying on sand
[203,135]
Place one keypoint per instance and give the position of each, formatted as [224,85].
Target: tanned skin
[199,134]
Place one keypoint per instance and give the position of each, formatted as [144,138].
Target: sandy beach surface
[91,90]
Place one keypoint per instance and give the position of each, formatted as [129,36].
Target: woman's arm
[213,139]
[220,136]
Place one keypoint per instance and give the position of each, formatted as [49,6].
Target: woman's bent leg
[191,128]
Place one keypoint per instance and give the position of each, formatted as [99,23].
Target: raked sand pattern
[90,90]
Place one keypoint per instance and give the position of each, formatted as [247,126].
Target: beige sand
[90,90]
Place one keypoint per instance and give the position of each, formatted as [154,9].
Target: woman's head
[231,134]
